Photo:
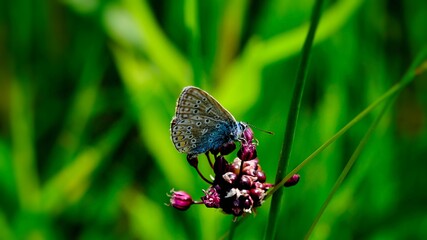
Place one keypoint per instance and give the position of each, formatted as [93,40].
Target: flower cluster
[238,187]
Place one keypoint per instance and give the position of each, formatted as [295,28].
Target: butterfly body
[201,124]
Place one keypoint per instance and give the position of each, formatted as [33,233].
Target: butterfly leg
[194,161]
[209,159]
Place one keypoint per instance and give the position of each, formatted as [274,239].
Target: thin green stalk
[355,155]
[416,68]
[292,118]
[347,167]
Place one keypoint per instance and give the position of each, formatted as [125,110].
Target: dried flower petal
[211,198]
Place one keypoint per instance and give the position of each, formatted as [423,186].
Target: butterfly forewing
[200,123]
[194,102]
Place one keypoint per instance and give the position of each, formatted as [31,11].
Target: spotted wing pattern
[201,123]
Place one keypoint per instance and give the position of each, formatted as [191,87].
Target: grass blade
[292,118]
[417,67]
[357,152]
[347,168]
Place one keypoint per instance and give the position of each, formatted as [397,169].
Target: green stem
[409,76]
[292,118]
[347,168]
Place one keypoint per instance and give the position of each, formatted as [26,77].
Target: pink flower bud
[292,181]
[180,200]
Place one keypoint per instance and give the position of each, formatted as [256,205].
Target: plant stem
[292,118]
[417,67]
[406,79]
[347,167]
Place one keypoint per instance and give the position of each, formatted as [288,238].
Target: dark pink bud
[247,152]
[235,166]
[260,176]
[193,160]
[248,134]
[256,192]
[246,182]
[180,200]
[257,195]
[292,181]
[246,202]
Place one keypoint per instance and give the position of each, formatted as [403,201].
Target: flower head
[238,187]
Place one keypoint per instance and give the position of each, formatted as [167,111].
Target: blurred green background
[88,89]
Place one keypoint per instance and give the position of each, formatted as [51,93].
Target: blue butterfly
[201,124]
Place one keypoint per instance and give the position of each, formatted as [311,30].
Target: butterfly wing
[200,123]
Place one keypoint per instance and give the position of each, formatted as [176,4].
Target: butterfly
[201,124]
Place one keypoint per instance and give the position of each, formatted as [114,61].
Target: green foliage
[88,89]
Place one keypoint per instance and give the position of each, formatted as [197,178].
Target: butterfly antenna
[262,130]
